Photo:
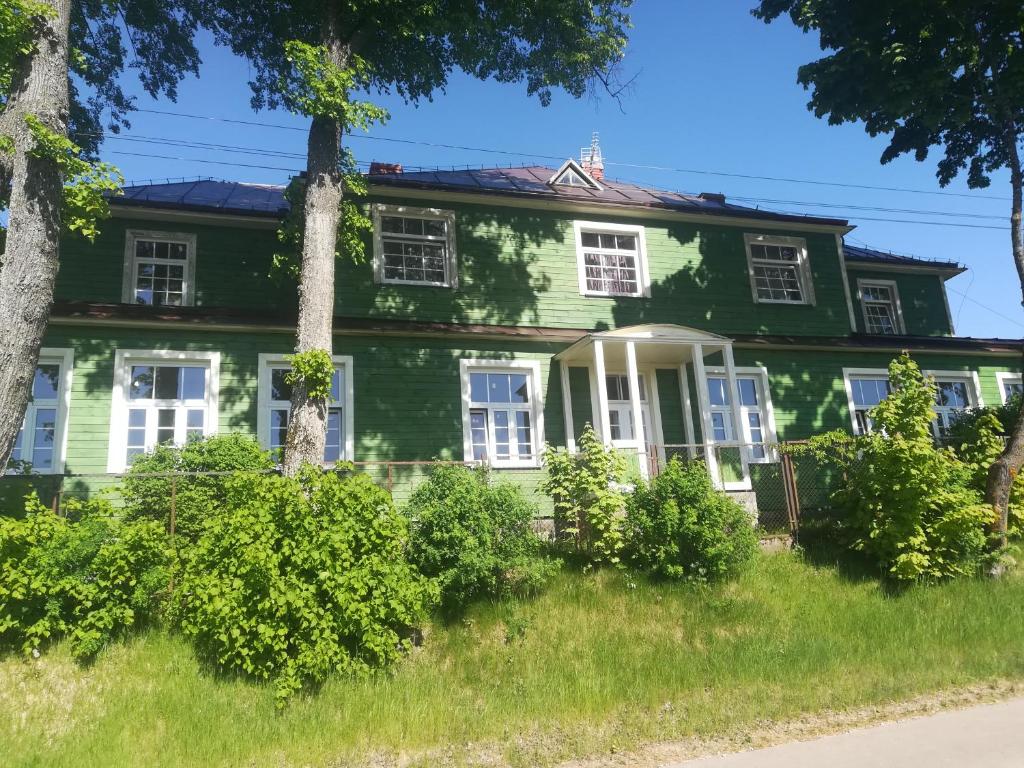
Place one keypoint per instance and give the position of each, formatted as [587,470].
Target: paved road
[990,735]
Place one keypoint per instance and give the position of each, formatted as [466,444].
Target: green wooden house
[498,310]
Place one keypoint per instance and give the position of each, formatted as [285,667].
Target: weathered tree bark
[307,424]
[30,259]
[1004,471]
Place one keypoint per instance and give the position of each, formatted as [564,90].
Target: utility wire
[641,166]
[986,307]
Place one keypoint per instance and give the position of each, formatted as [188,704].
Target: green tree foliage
[680,527]
[906,504]
[587,490]
[929,73]
[196,497]
[88,576]
[475,537]
[294,579]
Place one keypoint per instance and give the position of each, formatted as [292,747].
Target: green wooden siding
[922,298]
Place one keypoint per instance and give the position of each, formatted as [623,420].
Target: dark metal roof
[208,195]
[874,256]
[219,316]
[532,181]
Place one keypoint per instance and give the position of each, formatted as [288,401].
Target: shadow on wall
[499,279]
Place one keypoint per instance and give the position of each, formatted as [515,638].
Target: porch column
[684,393]
[737,407]
[634,402]
[704,406]
[570,436]
[602,393]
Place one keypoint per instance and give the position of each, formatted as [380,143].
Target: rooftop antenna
[591,158]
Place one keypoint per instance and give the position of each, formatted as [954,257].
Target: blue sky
[715,93]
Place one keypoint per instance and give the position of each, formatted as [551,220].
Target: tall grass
[598,661]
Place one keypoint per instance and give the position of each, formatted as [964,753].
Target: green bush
[586,489]
[907,505]
[194,495]
[680,527]
[474,537]
[89,577]
[293,579]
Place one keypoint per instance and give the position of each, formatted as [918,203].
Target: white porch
[627,403]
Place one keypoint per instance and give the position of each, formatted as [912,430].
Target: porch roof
[650,336]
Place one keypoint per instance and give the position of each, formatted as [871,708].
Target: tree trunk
[307,424]
[30,259]
[1004,471]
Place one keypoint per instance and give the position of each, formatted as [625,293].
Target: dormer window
[572,174]
[779,270]
[159,269]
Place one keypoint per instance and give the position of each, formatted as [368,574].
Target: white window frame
[451,264]
[532,370]
[1002,379]
[65,358]
[130,274]
[269,361]
[803,267]
[120,404]
[643,279]
[973,390]
[860,373]
[769,433]
[899,327]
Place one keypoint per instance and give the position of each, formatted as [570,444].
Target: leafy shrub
[474,537]
[89,577]
[586,488]
[194,495]
[977,439]
[292,579]
[681,527]
[906,504]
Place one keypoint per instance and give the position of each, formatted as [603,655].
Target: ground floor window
[39,446]
[275,394]
[502,412]
[620,408]
[955,392]
[160,396]
[1010,386]
[865,388]
[756,413]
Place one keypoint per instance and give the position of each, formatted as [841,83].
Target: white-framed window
[41,444]
[414,246]
[955,392]
[779,269]
[160,396]
[159,268]
[756,412]
[612,259]
[1010,385]
[572,174]
[880,306]
[502,412]
[865,388]
[620,408]
[274,403]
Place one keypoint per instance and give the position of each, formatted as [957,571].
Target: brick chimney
[384,169]
[591,159]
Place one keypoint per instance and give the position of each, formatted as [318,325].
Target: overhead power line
[559,158]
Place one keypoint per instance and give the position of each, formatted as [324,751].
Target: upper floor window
[779,270]
[159,269]
[1011,385]
[414,246]
[160,397]
[756,413]
[880,305]
[39,446]
[865,388]
[611,259]
[275,395]
[502,413]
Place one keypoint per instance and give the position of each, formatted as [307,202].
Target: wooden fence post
[792,495]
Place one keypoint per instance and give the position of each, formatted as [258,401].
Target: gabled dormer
[572,174]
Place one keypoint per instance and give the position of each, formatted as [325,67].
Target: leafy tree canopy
[928,73]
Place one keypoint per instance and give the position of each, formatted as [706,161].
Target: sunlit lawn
[594,663]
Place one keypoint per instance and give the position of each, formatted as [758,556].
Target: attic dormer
[572,174]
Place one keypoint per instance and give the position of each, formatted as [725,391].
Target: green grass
[592,665]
